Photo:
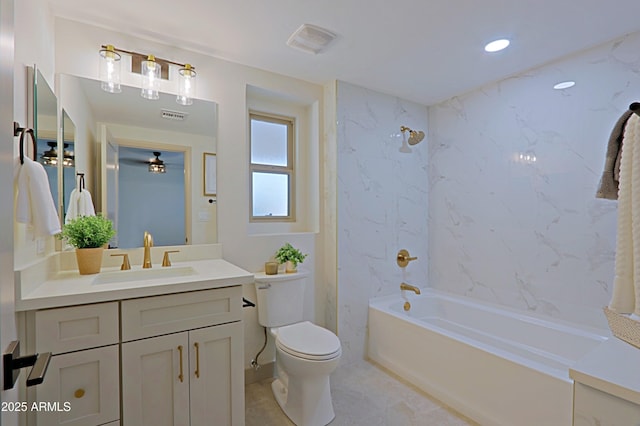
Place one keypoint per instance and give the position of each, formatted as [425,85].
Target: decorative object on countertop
[89,235]
[271,268]
[290,256]
[623,327]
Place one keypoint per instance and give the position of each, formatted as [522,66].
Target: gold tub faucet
[148,243]
[405,286]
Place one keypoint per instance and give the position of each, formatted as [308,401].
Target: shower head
[414,136]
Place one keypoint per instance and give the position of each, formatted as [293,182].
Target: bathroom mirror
[45,125]
[117,139]
[67,159]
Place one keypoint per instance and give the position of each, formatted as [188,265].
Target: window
[272,179]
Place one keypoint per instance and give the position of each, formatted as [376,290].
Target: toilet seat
[308,341]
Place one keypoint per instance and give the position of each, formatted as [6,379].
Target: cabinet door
[84,385]
[217,375]
[155,381]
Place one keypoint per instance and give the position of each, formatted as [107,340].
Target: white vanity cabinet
[193,376]
[82,377]
[173,359]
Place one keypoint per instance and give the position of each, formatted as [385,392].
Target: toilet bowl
[306,354]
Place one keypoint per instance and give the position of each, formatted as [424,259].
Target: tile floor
[364,394]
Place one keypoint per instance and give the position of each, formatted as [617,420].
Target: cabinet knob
[79,393]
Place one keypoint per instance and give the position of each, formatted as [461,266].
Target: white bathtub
[496,366]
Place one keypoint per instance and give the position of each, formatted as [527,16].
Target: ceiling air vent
[174,115]
[311,39]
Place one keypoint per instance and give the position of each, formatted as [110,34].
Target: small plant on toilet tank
[290,256]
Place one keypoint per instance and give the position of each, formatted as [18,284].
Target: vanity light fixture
[152,70]
[110,69]
[186,85]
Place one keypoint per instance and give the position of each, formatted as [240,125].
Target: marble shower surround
[528,233]
[382,202]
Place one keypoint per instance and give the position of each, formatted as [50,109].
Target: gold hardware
[79,393]
[197,346]
[148,243]
[403,258]
[125,261]
[181,375]
[165,259]
[405,286]
[407,306]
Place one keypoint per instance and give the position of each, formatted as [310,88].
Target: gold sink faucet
[405,286]
[148,243]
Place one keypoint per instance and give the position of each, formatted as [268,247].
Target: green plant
[88,232]
[289,253]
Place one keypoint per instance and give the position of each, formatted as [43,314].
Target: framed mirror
[121,141]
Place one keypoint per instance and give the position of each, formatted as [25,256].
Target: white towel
[34,204]
[626,286]
[80,204]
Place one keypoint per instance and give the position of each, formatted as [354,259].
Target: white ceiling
[421,50]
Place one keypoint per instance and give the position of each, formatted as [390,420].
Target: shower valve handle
[404,258]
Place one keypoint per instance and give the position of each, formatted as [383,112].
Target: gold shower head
[414,136]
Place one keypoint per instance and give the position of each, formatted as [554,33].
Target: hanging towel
[80,204]
[34,204]
[609,182]
[626,286]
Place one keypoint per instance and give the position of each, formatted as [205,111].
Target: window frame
[288,170]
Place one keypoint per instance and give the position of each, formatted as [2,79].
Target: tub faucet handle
[404,258]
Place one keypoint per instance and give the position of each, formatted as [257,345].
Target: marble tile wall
[512,177]
[382,205]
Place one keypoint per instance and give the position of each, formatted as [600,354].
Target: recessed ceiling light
[564,85]
[497,45]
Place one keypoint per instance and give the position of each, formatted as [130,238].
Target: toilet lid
[307,340]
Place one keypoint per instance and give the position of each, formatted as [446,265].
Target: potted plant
[290,256]
[89,235]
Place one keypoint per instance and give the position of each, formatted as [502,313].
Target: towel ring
[635,107]
[22,130]
[80,182]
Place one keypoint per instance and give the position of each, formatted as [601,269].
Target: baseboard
[264,372]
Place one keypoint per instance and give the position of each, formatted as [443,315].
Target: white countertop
[67,288]
[613,367]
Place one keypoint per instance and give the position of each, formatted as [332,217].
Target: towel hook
[18,130]
[80,181]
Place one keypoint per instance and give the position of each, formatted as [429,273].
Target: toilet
[306,354]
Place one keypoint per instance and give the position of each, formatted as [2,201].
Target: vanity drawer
[74,328]
[153,316]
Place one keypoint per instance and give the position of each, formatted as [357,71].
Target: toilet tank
[280,298]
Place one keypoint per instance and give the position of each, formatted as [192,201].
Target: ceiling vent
[174,115]
[311,39]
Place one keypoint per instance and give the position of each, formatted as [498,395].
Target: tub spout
[405,286]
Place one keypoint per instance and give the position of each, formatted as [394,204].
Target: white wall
[382,205]
[226,83]
[531,235]
[31,48]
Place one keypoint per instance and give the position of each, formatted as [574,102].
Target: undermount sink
[143,274]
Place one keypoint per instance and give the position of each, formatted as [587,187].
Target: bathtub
[494,365]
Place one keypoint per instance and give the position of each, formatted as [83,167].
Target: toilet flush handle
[265,286]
